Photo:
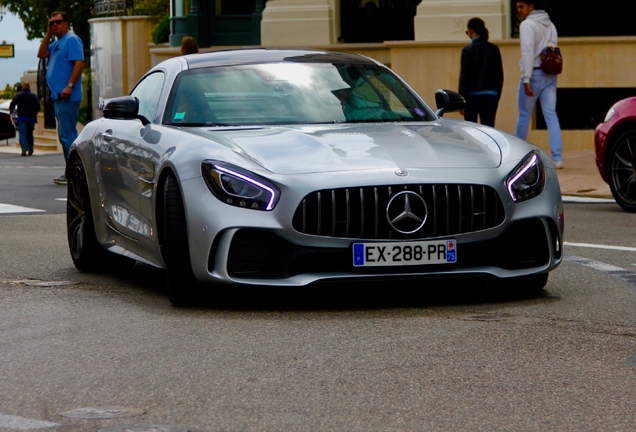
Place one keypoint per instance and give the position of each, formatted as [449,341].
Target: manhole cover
[102,413]
[144,428]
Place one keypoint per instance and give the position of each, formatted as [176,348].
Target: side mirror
[448,101]
[122,108]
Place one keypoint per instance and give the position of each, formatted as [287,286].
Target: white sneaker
[558,164]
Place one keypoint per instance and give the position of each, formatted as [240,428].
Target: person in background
[481,75]
[189,45]
[535,32]
[64,78]
[28,107]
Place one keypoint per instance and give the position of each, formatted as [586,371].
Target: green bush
[161,31]
[9,92]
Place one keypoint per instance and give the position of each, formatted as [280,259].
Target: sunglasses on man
[56,22]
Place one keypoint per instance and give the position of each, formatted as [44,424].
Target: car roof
[249,56]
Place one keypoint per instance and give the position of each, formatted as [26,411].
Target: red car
[615,143]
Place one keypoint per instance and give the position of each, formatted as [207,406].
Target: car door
[123,165]
[115,146]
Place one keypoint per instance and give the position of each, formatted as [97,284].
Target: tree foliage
[35,14]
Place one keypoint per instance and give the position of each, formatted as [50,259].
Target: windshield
[292,93]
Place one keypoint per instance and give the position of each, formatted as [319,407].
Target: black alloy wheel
[85,251]
[621,170]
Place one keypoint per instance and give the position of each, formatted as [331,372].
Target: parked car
[286,168]
[7,128]
[615,145]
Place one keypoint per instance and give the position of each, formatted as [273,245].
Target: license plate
[404,253]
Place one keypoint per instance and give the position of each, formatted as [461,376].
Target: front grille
[361,212]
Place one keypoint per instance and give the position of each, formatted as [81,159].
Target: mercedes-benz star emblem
[406,212]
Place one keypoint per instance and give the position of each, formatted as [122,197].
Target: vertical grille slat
[319,225]
[435,207]
[333,213]
[472,208]
[360,212]
[376,213]
[362,202]
[460,212]
[348,209]
[448,210]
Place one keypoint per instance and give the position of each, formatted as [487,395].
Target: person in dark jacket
[28,106]
[481,75]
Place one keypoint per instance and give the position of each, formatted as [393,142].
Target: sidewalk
[579,177]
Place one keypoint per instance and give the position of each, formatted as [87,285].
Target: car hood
[289,150]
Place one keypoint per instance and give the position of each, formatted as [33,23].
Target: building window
[377,20]
[586,17]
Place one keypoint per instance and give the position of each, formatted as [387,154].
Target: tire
[527,285]
[87,255]
[181,282]
[621,172]
[80,229]
[533,284]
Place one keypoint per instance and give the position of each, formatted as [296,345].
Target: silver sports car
[292,167]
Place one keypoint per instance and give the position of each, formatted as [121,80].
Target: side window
[148,92]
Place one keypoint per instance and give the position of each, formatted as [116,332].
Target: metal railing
[113,7]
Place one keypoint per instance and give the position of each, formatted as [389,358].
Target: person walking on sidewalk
[28,107]
[481,75]
[535,32]
[64,78]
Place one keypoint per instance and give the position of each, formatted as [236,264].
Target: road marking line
[597,246]
[22,423]
[8,208]
[582,199]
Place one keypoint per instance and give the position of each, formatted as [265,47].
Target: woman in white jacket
[535,33]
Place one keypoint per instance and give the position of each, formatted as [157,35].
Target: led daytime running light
[528,165]
[272,192]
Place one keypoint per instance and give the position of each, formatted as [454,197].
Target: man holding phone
[64,78]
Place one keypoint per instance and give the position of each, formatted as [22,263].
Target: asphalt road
[107,352]
[28,182]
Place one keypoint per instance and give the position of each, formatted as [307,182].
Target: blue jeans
[544,88]
[66,113]
[25,130]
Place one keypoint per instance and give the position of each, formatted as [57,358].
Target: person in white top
[535,33]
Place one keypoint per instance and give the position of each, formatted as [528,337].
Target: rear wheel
[182,285]
[621,171]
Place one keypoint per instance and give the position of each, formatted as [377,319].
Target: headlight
[610,114]
[239,187]
[527,180]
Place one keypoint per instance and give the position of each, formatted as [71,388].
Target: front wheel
[85,251]
[182,284]
[621,171]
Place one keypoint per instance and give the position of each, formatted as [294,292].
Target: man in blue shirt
[28,107]
[64,77]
